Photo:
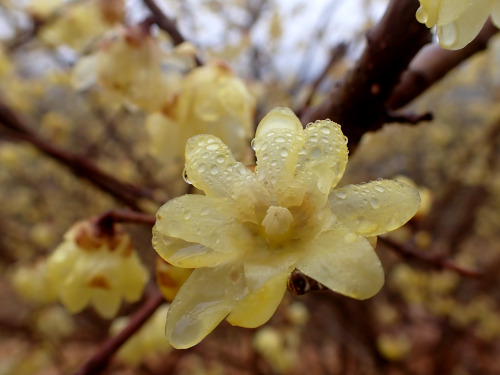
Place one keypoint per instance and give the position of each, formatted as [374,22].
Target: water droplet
[202,168]
[214,170]
[212,146]
[185,177]
[205,155]
[252,144]
[280,139]
[448,34]
[205,211]
[284,152]
[341,194]
[380,189]
[173,227]
[274,163]
[220,159]
[374,202]
[345,140]
[187,215]
[350,238]
[316,153]
[313,139]
[325,130]
[422,15]
[324,139]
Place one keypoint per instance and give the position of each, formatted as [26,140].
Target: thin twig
[436,261]
[101,359]
[168,25]
[17,128]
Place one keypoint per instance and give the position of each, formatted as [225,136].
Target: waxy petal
[266,280]
[197,231]
[211,167]
[278,140]
[376,207]
[204,300]
[345,263]
[323,159]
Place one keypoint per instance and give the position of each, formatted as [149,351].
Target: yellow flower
[97,269]
[458,21]
[252,229]
[212,100]
[148,341]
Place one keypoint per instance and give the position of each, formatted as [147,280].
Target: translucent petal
[278,140]
[106,303]
[465,28]
[74,298]
[324,156]
[167,141]
[204,300]
[450,10]
[376,207]
[345,263]
[258,307]
[133,277]
[211,167]
[266,278]
[197,231]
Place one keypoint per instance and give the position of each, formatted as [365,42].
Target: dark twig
[436,261]
[101,359]
[359,104]
[168,25]
[16,128]
[107,220]
[408,118]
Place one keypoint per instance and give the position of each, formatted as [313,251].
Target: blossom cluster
[251,229]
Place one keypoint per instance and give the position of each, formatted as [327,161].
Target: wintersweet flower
[252,229]
[96,268]
[458,21]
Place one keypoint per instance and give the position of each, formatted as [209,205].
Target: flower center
[277,224]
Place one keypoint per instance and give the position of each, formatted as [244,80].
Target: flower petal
[211,167]
[345,263]
[266,279]
[376,207]
[204,300]
[495,12]
[197,231]
[465,28]
[278,140]
[107,303]
[324,157]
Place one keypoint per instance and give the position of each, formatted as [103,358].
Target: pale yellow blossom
[458,21]
[97,269]
[252,229]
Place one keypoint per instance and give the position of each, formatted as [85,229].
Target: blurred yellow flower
[211,100]
[458,21]
[252,229]
[97,269]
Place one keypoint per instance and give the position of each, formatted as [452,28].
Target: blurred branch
[359,104]
[167,24]
[16,128]
[432,63]
[408,118]
[101,359]
[105,222]
[439,262]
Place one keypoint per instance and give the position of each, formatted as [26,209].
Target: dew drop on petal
[185,177]
[341,194]
[374,202]
[316,153]
[212,146]
[214,170]
[219,159]
[187,215]
[284,152]
[325,130]
[448,34]
[380,189]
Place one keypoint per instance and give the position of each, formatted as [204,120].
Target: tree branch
[432,63]
[359,104]
[101,359]
[16,128]
[167,24]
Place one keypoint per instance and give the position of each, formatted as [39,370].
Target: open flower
[458,21]
[96,268]
[252,229]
